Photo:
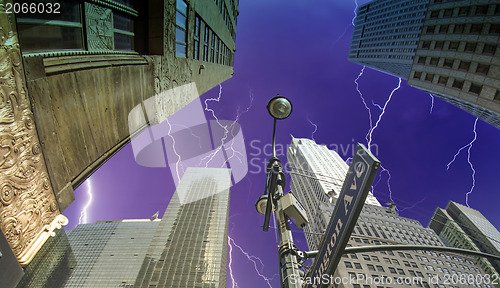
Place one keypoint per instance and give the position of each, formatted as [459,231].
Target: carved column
[28,208]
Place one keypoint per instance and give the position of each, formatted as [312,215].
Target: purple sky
[300,51]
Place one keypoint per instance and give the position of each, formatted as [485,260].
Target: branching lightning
[227,129]
[369,135]
[469,147]
[254,260]
[315,128]
[83,214]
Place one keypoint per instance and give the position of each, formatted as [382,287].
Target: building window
[430,29]
[482,69]
[463,11]
[489,49]
[180,29]
[454,45]
[429,77]
[443,80]
[197,32]
[476,28]
[448,63]
[421,60]
[497,96]
[474,88]
[448,12]
[482,10]
[459,28]
[443,29]
[212,48]
[495,28]
[470,47]
[458,83]
[435,14]
[439,45]
[206,37]
[464,66]
[348,264]
[426,44]
[434,61]
[49,32]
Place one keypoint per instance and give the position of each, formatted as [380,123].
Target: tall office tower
[386,34]
[412,268]
[189,248]
[109,253]
[463,227]
[458,58]
[317,177]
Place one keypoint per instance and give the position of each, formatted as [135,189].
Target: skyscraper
[189,248]
[457,57]
[386,35]
[317,177]
[447,48]
[318,173]
[186,248]
[463,227]
[99,247]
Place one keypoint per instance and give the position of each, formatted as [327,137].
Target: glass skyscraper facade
[463,227]
[189,248]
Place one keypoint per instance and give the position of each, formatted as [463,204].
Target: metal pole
[288,259]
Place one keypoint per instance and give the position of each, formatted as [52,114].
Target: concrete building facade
[72,78]
[386,35]
[446,48]
[463,227]
[458,58]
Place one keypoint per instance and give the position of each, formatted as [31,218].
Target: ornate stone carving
[100,30]
[28,207]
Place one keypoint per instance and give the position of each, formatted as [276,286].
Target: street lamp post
[280,108]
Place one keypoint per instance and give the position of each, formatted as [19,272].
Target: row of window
[463,65]
[461,46]
[469,28]
[443,80]
[214,50]
[225,15]
[78,30]
[480,10]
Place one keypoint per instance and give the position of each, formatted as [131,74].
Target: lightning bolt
[412,206]
[315,128]
[253,259]
[355,13]
[382,114]
[231,262]
[469,147]
[83,214]
[432,103]
[178,163]
[369,135]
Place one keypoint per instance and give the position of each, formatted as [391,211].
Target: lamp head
[261,204]
[279,107]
